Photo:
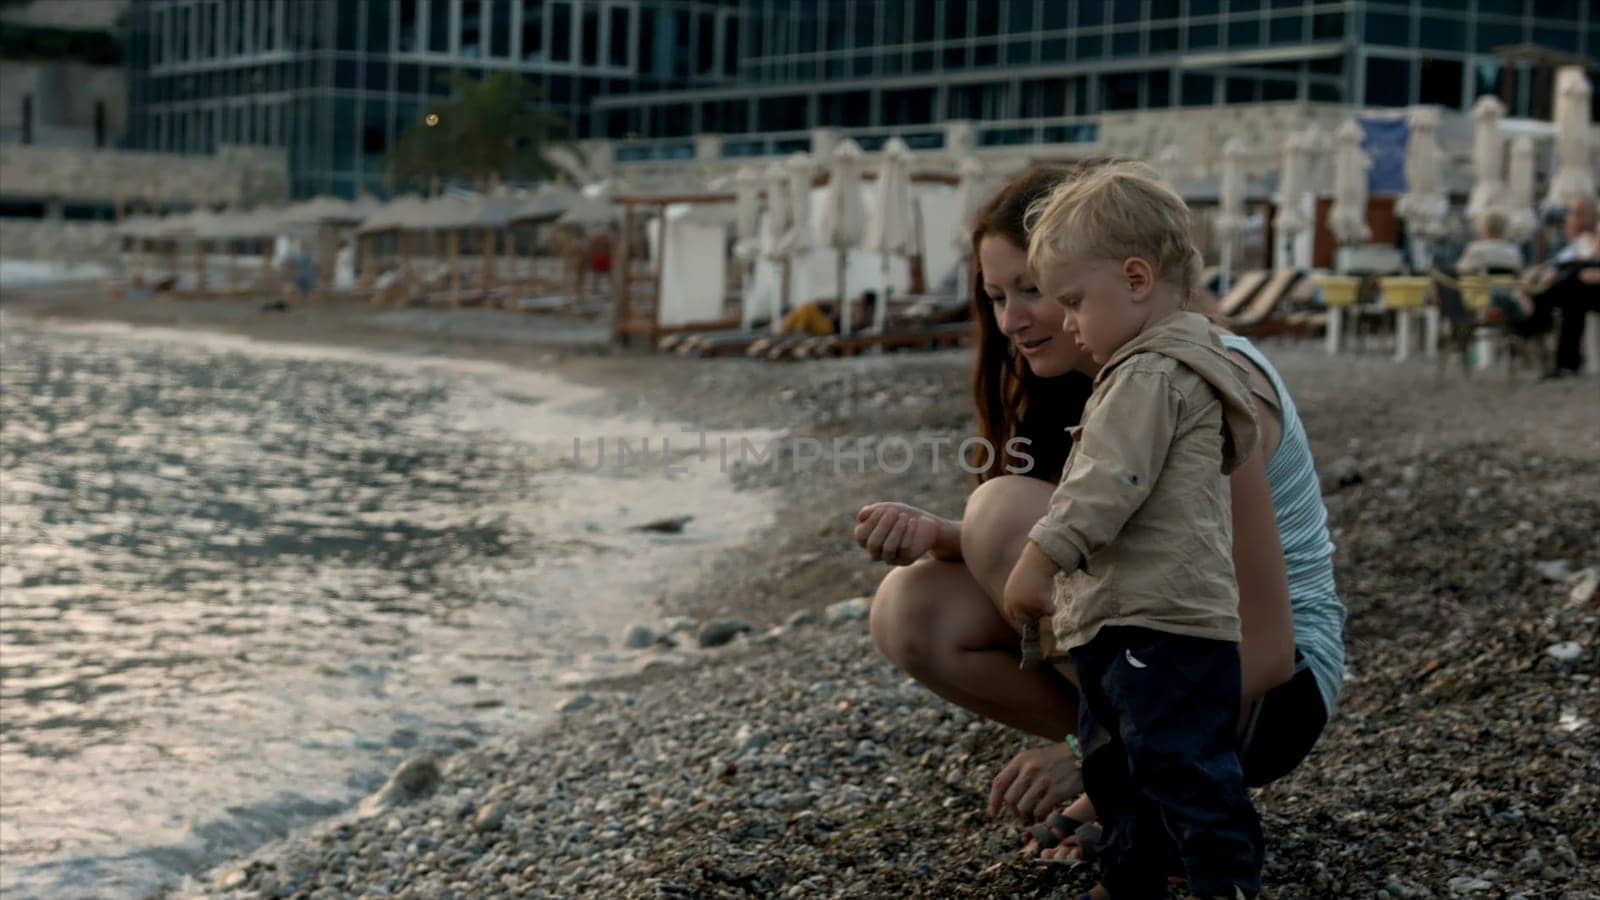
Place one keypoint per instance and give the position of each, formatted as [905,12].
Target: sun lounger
[1240,293]
[1265,301]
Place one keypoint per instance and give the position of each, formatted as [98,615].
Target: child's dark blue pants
[1158,721]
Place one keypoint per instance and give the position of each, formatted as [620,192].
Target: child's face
[1101,302]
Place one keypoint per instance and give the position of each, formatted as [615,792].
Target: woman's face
[1032,323]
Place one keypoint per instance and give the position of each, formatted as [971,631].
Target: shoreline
[805,765]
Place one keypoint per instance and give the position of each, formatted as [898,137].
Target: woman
[936,615]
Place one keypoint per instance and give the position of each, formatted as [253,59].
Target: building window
[705,50]
[1388,82]
[617,39]
[378,26]
[1120,90]
[532,31]
[1158,90]
[1443,34]
[787,113]
[27,118]
[1393,29]
[910,106]
[500,28]
[1440,82]
[408,26]
[560,32]
[1045,98]
[590,38]
[849,109]
[1244,33]
[1199,90]
[439,26]
[99,123]
[977,101]
[730,46]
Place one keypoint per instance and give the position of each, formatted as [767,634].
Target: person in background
[1490,252]
[1569,282]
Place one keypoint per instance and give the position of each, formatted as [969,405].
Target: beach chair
[1265,302]
[1233,302]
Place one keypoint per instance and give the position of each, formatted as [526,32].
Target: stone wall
[235,176]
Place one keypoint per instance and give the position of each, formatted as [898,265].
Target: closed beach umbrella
[1423,205]
[1488,155]
[1291,218]
[797,240]
[747,240]
[1230,204]
[1347,217]
[844,215]
[970,197]
[747,212]
[777,226]
[1521,218]
[1574,175]
[892,226]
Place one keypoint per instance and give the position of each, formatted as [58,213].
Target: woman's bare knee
[995,525]
[903,616]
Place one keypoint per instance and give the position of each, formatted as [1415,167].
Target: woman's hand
[899,534]
[1029,587]
[1035,783]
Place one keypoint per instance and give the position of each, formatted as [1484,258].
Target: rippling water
[239,583]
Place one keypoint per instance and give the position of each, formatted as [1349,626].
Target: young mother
[936,615]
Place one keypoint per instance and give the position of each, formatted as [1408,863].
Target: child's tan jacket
[1141,524]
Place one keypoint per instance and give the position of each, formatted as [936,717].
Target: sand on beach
[1462,759]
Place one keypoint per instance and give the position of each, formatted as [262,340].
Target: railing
[1015,132]
[654,150]
[781,143]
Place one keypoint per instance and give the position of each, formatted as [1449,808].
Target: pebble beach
[758,746]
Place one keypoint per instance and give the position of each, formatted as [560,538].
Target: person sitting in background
[821,319]
[1490,252]
[1570,282]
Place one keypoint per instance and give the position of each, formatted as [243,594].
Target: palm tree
[487,130]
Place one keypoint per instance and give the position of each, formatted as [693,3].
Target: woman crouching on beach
[937,617]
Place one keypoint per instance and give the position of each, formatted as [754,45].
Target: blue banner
[1385,145]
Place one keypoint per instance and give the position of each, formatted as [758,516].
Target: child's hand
[1028,589]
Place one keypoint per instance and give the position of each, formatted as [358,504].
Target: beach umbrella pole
[846,303]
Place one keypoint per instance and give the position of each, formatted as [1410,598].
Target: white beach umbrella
[548,202]
[970,197]
[797,240]
[1291,218]
[1231,221]
[1347,216]
[776,227]
[1424,204]
[1521,218]
[892,226]
[844,214]
[747,212]
[1488,155]
[1574,174]
[747,239]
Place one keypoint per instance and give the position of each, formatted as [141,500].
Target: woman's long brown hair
[1013,402]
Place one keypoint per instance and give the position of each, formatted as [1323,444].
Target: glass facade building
[335,81]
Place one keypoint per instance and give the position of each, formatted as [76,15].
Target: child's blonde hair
[1115,211]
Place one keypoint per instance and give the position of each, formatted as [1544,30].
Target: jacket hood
[1192,340]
